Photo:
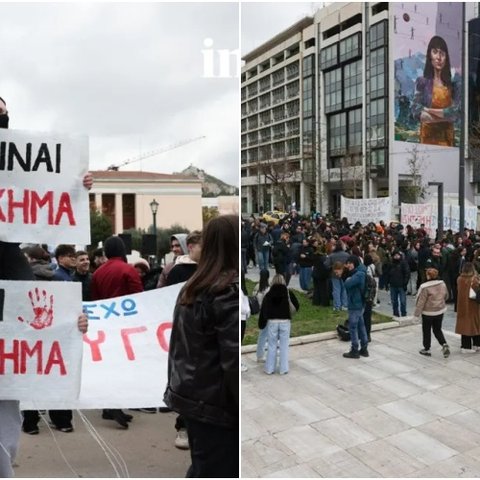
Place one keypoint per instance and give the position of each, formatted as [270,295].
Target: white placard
[40,345]
[125,352]
[415,214]
[42,198]
[367,210]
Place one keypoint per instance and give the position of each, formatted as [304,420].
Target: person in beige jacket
[468,310]
[431,298]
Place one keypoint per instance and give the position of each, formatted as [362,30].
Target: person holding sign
[14,266]
[203,374]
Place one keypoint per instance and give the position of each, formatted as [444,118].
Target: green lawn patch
[309,319]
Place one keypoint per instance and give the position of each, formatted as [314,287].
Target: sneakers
[364,352]
[352,354]
[164,409]
[181,440]
[445,350]
[243,368]
[65,429]
[425,352]
[31,430]
[468,350]
[115,414]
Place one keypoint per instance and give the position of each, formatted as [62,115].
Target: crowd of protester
[326,253]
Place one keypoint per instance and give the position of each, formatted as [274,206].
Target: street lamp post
[154,208]
[439,185]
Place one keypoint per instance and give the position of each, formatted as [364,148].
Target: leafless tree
[277,173]
[416,164]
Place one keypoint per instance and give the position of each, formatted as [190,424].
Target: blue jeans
[356,327]
[398,294]
[305,277]
[339,294]
[278,330]
[262,342]
[262,259]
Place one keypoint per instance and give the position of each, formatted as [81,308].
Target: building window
[279,150]
[244,94]
[377,35]
[253,155]
[278,77]
[310,43]
[278,95]
[308,65]
[376,118]
[350,47]
[244,125]
[265,83]
[244,109]
[377,73]
[308,104]
[265,118]
[278,113]
[333,90]
[264,101]
[252,138]
[379,7]
[128,211]
[293,108]
[355,130]
[244,141]
[252,89]
[265,135]
[253,105]
[293,89]
[293,127]
[353,84]
[293,147]
[265,152]
[377,158]
[244,157]
[308,137]
[292,70]
[252,122]
[278,131]
[337,133]
[329,57]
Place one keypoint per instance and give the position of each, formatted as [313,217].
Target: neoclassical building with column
[125,198]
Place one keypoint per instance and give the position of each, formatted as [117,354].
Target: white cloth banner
[415,214]
[42,198]
[40,345]
[125,352]
[366,210]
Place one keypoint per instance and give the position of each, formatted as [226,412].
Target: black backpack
[343,333]
[370,289]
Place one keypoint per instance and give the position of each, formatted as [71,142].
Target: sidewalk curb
[319,337]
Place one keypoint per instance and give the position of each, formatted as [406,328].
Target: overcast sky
[262,21]
[130,76]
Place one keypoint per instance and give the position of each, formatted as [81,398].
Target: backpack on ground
[343,332]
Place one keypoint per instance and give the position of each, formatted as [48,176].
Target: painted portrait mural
[428,76]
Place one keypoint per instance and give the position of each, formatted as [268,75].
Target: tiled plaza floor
[394,414]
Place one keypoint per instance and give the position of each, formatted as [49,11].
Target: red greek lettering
[126,332]
[55,358]
[95,345]
[162,328]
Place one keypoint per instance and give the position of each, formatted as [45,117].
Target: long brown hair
[218,265]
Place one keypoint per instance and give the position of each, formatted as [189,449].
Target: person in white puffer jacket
[430,303]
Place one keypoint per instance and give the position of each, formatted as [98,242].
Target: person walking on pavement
[431,304]
[355,287]
[468,310]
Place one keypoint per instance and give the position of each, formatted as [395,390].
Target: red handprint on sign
[43,312]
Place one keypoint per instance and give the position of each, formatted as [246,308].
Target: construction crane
[154,152]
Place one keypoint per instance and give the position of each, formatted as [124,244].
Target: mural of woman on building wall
[436,104]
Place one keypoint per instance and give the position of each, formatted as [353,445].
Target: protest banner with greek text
[416,214]
[125,352]
[367,210]
[40,345]
[42,198]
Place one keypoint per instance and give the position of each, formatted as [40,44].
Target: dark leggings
[429,324]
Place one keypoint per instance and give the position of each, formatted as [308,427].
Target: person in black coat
[398,276]
[321,274]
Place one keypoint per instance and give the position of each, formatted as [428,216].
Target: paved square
[393,414]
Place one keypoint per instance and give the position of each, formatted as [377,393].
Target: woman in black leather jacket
[203,375]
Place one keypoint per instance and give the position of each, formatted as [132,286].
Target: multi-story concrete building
[328,107]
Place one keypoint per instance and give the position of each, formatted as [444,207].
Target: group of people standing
[327,254]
